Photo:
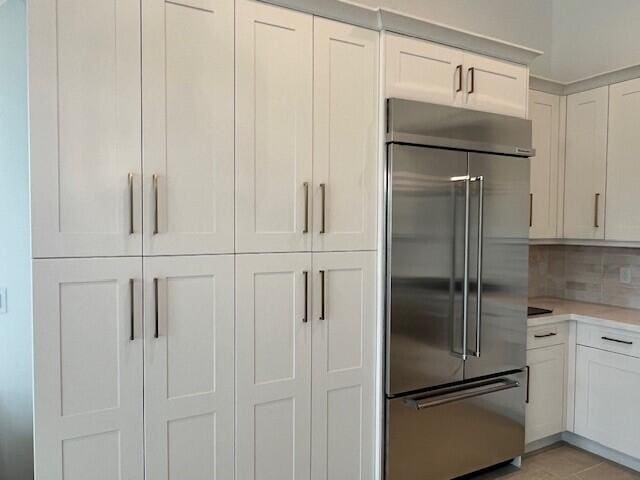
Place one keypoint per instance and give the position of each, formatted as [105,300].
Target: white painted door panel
[623,162]
[189,380]
[495,86]
[607,399]
[87,370]
[188,88]
[544,112]
[423,71]
[345,136]
[273,367]
[274,94]
[546,405]
[586,164]
[343,366]
[84,100]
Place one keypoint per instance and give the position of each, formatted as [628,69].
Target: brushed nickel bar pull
[459,75]
[323,196]
[306,207]
[131,226]
[472,73]
[155,204]
[595,213]
[322,295]
[305,319]
[156,302]
[531,210]
[132,313]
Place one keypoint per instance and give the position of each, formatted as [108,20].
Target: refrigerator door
[451,433]
[497,335]
[426,222]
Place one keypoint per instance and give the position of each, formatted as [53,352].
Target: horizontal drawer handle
[463,393]
[609,339]
[546,335]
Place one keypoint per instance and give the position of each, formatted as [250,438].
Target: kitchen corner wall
[589,274]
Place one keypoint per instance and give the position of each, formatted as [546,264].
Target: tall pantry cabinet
[203,177]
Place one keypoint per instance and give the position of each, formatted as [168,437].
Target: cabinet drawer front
[609,339]
[546,335]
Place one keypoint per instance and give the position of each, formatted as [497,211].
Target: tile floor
[562,461]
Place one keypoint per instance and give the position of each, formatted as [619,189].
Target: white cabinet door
[189,379]
[607,399]
[345,139]
[84,100]
[544,112]
[546,402]
[273,366]
[274,93]
[495,86]
[87,369]
[623,165]
[344,324]
[188,88]
[586,164]
[423,71]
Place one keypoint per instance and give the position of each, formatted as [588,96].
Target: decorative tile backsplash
[605,275]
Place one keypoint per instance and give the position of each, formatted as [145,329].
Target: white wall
[16,458]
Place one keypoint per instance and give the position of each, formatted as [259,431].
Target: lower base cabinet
[607,399]
[305,342]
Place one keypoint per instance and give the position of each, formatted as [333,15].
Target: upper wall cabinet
[188,88]
[586,164]
[345,141]
[544,112]
[428,72]
[623,165]
[84,89]
[274,66]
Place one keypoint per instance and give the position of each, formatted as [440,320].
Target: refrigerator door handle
[476,390]
[480,180]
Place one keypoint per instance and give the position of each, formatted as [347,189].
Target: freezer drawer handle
[546,335]
[476,390]
[609,339]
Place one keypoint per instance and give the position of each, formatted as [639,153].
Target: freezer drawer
[453,432]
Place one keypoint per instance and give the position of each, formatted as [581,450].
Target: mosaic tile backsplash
[588,274]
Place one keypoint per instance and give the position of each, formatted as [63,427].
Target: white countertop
[592,313]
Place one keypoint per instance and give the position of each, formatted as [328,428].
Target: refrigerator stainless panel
[450,437]
[501,328]
[425,275]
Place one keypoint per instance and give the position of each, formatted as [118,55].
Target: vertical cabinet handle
[323,197]
[306,207]
[132,311]
[155,204]
[528,382]
[595,211]
[459,77]
[472,74]
[130,187]
[305,274]
[322,295]
[156,302]
[531,209]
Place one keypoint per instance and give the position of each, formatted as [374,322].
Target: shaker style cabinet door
[274,93]
[586,164]
[187,94]
[88,377]
[345,140]
[544,112]
[84,100]
[189,380]
[423,71]
[343,365]
[273,366]
[623,165]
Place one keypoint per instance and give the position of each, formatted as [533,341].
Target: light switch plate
[625,275]
[3,300]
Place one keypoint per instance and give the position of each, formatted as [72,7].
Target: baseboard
[601,450]
[542,443]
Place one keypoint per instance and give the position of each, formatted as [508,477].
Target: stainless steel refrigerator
[457,194]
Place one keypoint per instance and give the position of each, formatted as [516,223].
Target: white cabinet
[345,136]
[188,108]
[545,413]
[88,394]
[544,112]
[289,305]
[607,399]
[586,164]
[428,72]
[84,100]
[623,167]
[274,92]
[189,356]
